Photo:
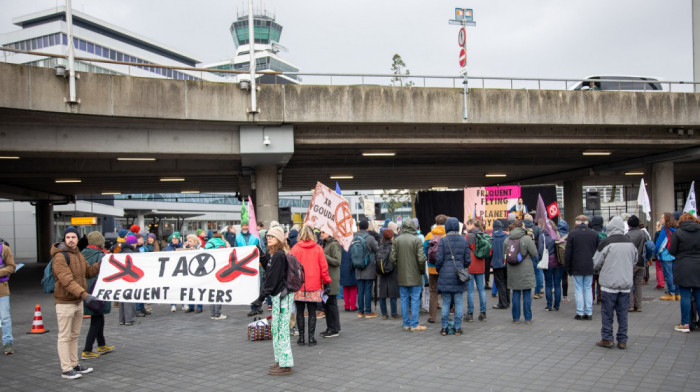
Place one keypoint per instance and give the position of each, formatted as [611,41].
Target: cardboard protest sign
[226,276]
[330,212]
[489,203]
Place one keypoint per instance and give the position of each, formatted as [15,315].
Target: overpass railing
[92,64]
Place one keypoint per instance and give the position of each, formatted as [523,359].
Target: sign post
[463,17]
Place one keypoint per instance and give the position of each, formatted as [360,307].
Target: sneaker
[184,307]
[678,297]
[294,331]
[406,328]
[71,374]
[469,318]
[396,317]
[321,315]
[482,316]
[537,296]
[419,328]
[140,314]
[588,317]
[148,309]
[360,315]
[173,308]
[199,310]
[682,328]
[458,332]
[605,344]
[385,317]
[8,349]
[668,297]
[578,317]
[220,317]
[621,345]
[330,334]
[105,349]
[565,299]
[443,332]
[82,369]
[188,310]
[89,355]
[371,315]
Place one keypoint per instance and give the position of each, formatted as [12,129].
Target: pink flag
[252,223]
[542,215]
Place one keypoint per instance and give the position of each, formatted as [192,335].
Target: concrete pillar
[573,200]
[267,197]
[44,231]
[141,221]
[696,42]
[662,189]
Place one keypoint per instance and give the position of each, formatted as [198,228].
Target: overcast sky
[513,38]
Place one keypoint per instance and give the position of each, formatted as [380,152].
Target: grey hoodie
[615,258]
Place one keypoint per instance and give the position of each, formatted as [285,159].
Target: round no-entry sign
[462,37]
[462,57]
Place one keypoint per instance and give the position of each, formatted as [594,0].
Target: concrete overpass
[202,132]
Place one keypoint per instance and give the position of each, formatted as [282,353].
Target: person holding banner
[275,286]
[316,280]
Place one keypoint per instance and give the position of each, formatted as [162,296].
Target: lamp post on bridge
[463,17]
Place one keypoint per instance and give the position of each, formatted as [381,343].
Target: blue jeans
[364,295]
[668,277]
[527,304]
[686,292]
[199,307]
[5,319]
[392,302]
[410,296]
[614,303]
[552,281]
[539,276]
[584,294]
[447,300]
[479,278]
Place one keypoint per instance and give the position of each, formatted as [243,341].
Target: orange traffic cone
[38,323]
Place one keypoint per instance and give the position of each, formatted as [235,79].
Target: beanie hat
[277,232]
[152,235]
[121,240]
[122,233]
[364,225]
[274,223]
[175,234]
[134,229]
[393,227]
[199,231]
[71,229]
[138,235]
[95,238]
[633,221]
[415,221]
[497,225]
[131,239]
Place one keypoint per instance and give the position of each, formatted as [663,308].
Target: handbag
[462,274]
[259,329]
[97,306]
[544,262]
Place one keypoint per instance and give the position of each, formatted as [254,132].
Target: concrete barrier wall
[34,88]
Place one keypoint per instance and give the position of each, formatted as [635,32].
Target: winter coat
[245,239]
[172,247]
[685,246]
[546,241]
[347,273]
[94,255]
[311,256]
[437,231]
[562,228]
[369,272]
[333,252]
[275,276]
[536,233]
[71,280]
[215,243]
[230,238]
[663,242]
[498,237]
[388,284]
[615,257]
[477,265]
[408,256]
[8,268]
[639,239]
[453,244]
[521,276]
[581,244]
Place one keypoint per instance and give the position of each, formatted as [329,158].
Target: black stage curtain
[529,195]
[429,204]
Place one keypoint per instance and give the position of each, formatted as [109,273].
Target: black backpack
[384,266]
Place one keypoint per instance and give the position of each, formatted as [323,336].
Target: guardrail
[324,78]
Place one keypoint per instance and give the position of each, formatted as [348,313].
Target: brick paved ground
[189,352]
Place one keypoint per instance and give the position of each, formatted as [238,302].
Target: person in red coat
[316,280]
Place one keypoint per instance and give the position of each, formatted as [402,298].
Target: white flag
[643,200]
[691,204]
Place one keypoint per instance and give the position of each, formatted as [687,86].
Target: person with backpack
[597,225]
[388,279]
[275,285]
[317,281]
[519,249]
[362,252]
[535,232]
[685,247]
[614,259]
[639,239]
[216,241]
[563,230]
[408,258]
[581,244]
[94,253]
[452,255]
[500,271]
[663,243]
[7,267]
[554,271]
[71,271]
[430,245]
[477,267]
[333,252]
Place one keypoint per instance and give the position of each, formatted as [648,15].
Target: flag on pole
[541,216]
[337,189]
[244,214]
[643,199]
[253,223]
[691,203]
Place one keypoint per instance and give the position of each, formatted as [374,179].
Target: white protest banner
[330,212]
[691,203]
[226,276]
[643,199]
